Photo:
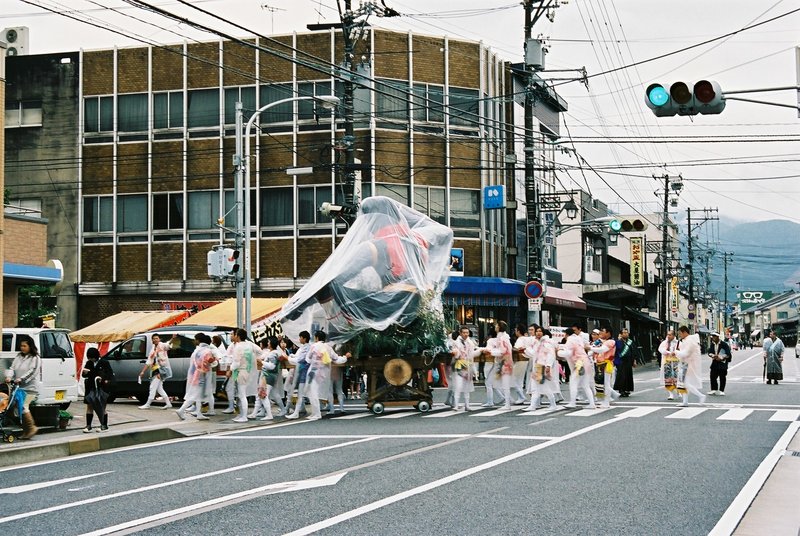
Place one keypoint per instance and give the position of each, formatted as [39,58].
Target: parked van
[58,384]
[128,358]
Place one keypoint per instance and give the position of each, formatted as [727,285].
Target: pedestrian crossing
[719,413]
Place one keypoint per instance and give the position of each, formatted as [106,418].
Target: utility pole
[703,219]
[349,140]
[535,264]
[662,302]
[726,256]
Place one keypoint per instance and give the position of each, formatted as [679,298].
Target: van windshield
[55,344]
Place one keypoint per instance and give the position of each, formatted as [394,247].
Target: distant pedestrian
[98,374]
[669,364]
[773,358]
[580,365]
[160,371]
[689,378]
[720,353]
[625,361]
[604,360]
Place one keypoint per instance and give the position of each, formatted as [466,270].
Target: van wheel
[64,406]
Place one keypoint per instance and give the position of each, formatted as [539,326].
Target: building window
[281,113]
[98,114]
[309,199]
[203,108]
[23,114]
[167,212]
[98,214]
[398,192]
[203,209]
[245,95]
[168,110]
[132,112]
[308,110]
[431,202]
[464,107]
[391,100]
[131,213]
[230,207]
[465,208]
[277,207]
[428,103]
[24,207]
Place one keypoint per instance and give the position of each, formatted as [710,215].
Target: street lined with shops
[359,473]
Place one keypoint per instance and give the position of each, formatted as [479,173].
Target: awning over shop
[560,297]
[27,273]
[594,304]
[755,333]
[488,291]
[612,291]
[703,329]
[642,317]
[224,314]
[785,321]
[126,324]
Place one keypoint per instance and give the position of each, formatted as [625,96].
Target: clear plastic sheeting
[391,260]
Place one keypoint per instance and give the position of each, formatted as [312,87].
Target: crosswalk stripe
[398,415]
[353,416]
[494,412]
[785,415]
[686,413]
[588,412]
[736,414]
[440,414]
[540,412]
[639,412]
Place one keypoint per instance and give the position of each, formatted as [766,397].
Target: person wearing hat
[720,353]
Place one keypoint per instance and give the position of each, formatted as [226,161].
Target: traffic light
[231,261]
[222,262]
[704,97]
[627,225]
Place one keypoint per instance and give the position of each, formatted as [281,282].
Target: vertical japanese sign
[637,262]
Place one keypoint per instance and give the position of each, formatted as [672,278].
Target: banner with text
[637,261]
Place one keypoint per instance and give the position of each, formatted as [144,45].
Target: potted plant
[63,419]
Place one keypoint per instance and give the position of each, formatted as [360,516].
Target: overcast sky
[595,34]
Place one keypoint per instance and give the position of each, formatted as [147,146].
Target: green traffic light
[615,225]
[657,95]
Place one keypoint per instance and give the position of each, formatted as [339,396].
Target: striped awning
[486,291]
[490,301]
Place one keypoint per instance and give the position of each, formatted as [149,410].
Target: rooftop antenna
[272,11]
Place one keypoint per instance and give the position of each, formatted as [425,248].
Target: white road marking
[353,416]
[786,415]
[589,412]
[41,485]
[160,485]
[537,423]
[686,413]
[738,414]
[543,411]
[441,414]
[733,515]
[496,412]
[639,412]
[350,514]
[398,415]
[271,489]
[737,365]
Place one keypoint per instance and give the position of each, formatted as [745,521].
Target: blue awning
[32,273]
[489,291]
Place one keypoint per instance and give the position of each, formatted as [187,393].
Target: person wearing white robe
[320,357]
[604,357]
[299,360]
[464,351]
[543,356]
[688,351]
[501,350]
[581,367]
[667,349]
[245,355]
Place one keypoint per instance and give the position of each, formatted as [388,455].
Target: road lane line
[737,365]
[736,414]
[495,412]
[41,485]
[639,412]
[735,512]
[398,415]
[346,516]
[785,415]
[686,413]
[589,412]
[160,485]
[441,414]
[351,417]
[537,423]
[543,411]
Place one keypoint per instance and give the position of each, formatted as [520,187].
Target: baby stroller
[9,400]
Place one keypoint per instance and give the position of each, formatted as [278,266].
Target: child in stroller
[11,397]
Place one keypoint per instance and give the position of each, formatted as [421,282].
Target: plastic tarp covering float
[224,314]
[377,276]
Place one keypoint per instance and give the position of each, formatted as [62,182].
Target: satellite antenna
[272,11]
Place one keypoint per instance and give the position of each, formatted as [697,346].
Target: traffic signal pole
[662,307]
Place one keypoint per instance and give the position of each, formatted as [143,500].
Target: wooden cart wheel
[397,372]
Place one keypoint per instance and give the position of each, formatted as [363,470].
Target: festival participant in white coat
[489,370]
[581,367]
[500,349]
[604,357]
[245,353]
[160,371]
[667,351]
[300,361]
[464,351]
[523,342]
[269,382]
[688,351]
[320,357]
[543,357]
[200,363]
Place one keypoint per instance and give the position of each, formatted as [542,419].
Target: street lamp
[242,189]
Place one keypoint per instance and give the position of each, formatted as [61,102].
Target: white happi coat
[467,350]
[689,352]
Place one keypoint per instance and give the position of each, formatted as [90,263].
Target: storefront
[478,302]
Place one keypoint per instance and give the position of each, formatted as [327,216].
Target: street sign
[494,197]
[534,289]
[534,304]
[691,316]
[691,308]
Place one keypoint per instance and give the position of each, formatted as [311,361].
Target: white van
[58,384]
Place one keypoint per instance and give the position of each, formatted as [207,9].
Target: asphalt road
[642,467]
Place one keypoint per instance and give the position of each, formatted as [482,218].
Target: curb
[31,453]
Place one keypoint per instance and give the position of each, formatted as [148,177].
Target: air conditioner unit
[17,40]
